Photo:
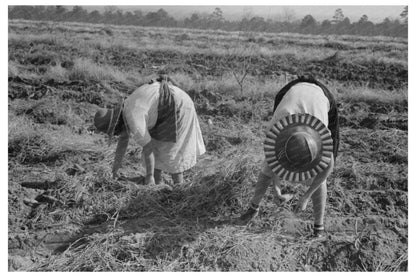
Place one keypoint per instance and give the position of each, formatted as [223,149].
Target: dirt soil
[63,207]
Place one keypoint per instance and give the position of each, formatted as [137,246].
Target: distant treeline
[338,24]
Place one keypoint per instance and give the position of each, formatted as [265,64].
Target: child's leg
[319,203]
[319,199]
[263,183]
[177,178]
[158,176]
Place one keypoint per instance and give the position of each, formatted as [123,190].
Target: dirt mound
[46,110]
[252,255]
[27,89]
[32,150]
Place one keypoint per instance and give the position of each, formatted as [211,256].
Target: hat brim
[274,146]
[114,120]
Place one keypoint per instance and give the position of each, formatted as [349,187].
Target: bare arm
[149,159]
[303,201]
[316,183]
[121,149]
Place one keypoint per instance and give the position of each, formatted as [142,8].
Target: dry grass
[57,72]
[303,47]
[123,225]
[368,95]
[84,69]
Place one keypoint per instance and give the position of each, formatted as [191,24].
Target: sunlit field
[66,213]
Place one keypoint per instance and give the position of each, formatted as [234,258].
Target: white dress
[301,98]
[140,115]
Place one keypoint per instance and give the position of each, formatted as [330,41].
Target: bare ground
[67,214]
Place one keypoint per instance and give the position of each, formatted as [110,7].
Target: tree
[192,21]
[363,19]
[288,15]
[110,14]
[404,14]
[59,13]
[338,16]
[344,26]
[326,24]
[110,9]
[94,17]
[244,24]
[308,24]
[217,15]
[138,17]
[20,12]
[216,19]
[365,27]
[239,61]
[194,17]
[77,14]
[257,23]
[159,18]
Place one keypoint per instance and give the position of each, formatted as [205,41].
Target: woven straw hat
[105,120]
[298,147]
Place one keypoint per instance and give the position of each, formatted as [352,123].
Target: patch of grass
[57,72]
[85,69]
[50,110]
[25,143]
[365,94]
[26,39]
[13,69]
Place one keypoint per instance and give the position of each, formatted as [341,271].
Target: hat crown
[102,119]
[298,147]
[105,120]
[301,148]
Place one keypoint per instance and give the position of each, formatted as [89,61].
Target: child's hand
[282,199]
[279,198]
[303,201]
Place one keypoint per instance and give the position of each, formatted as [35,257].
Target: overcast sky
[321,12]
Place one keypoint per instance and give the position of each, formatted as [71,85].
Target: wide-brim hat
[105,120]
[298,147]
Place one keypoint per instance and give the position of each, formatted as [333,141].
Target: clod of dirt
[370,122]
[20,263]
[67,64]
